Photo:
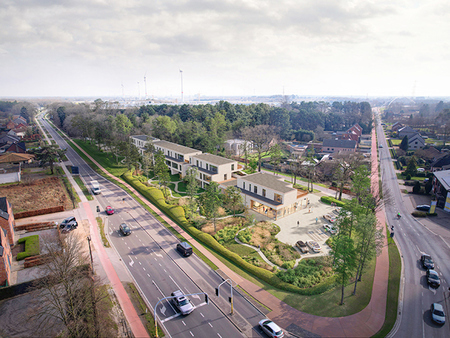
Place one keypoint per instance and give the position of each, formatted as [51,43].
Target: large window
[255,189]
[278,198]
[264,192]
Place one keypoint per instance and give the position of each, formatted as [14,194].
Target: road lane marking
[183,322]
[165,271]
[160,264]
[132,262]
[191,333]
[140,263]
[202,315]
[148,275]
[219,335]
[143,269]
[210,324]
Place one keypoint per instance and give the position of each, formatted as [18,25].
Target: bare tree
[69,292]
[260,136]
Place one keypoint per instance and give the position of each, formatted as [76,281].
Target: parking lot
[307,228]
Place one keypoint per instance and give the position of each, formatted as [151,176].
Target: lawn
[106,160]
[83,188]
[395,142]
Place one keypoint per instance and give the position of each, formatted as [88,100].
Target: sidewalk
[363,324]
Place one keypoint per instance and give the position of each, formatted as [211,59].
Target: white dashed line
[140,263]
[202,315]
[183,322]
[143,269]
[210,324]
[191,333]
[165,271]
[148,275]
[219,335]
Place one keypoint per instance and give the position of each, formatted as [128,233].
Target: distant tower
[145,83]
[139,91]
[123,91]
[182,95]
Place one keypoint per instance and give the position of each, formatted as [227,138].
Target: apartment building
[269,195]
[213,168]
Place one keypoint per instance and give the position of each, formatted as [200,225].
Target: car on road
[184,248]
[67,221]
[433,278]
[314,246]
[330,228]
[330,218]
[182,303]
[270,328]
[437,313]
[125,229]
[423,207]
[427,261]
[381,146]
[69,227]
[109,210]
[302,246]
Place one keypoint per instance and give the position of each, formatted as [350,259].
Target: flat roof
[214,159]
[175,147]
[269,181]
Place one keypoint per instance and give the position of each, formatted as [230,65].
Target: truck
[95,187]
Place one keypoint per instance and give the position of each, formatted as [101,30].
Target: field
[37,194]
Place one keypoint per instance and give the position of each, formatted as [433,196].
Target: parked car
[330,228]
[302,246]
[125,229]
[423,207]
[69,227]
[314,246]
[381,146]
[437,313]
[330,218]
[109,210]
[433,278]
[68,220]
[182,303]
[427,261]
[184,248]
[270,328]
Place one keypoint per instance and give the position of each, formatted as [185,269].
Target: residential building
[406,131]
[441,189]
[177,157]
[335,145]
[416,141]
[5,258]
[140,141]
[441,163]
[213,168]
[396,126]
[237,147]
[7,221]
[269,195]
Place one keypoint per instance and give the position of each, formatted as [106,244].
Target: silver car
[437,313]
[271,329]
[182,303]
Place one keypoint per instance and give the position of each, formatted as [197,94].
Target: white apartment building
[213,168]
[269,195]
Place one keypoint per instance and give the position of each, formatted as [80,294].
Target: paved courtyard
[307,228]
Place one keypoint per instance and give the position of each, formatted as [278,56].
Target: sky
[105,48]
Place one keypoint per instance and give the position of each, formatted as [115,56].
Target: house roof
[416,137]
[443,177]
[141,137]
[269,181]
[339,143]
[442,161]
[175,147]
[407,129]
[15,157]
[214,159]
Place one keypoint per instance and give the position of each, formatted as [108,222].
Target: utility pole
[145,83]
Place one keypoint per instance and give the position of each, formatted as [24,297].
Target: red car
[109,210]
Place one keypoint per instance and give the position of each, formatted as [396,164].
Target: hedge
[176,213]
[38,212]
[32,247]
[329,200]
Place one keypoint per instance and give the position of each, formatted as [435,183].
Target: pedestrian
[316,219]
[309,209]
[298,223]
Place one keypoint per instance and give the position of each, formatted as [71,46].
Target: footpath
[362,324]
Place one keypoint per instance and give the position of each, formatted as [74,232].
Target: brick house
[7,221]
[5,258]
[334,146]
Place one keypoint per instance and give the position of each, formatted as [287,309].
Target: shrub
[432,214]
[32,247]
[416,188]
[244,236]
[408,177]
[419,214]
[329,200]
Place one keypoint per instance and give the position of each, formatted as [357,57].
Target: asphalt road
[414,317]
[158,270]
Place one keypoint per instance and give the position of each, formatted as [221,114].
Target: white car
[182,303]
[314,246]
[330,228]
[270,328]
[330,218]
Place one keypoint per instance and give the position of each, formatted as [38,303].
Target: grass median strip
[83,188]
[101,227]
[143,311]
[395,270]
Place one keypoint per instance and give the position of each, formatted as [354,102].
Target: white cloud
[224,47]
